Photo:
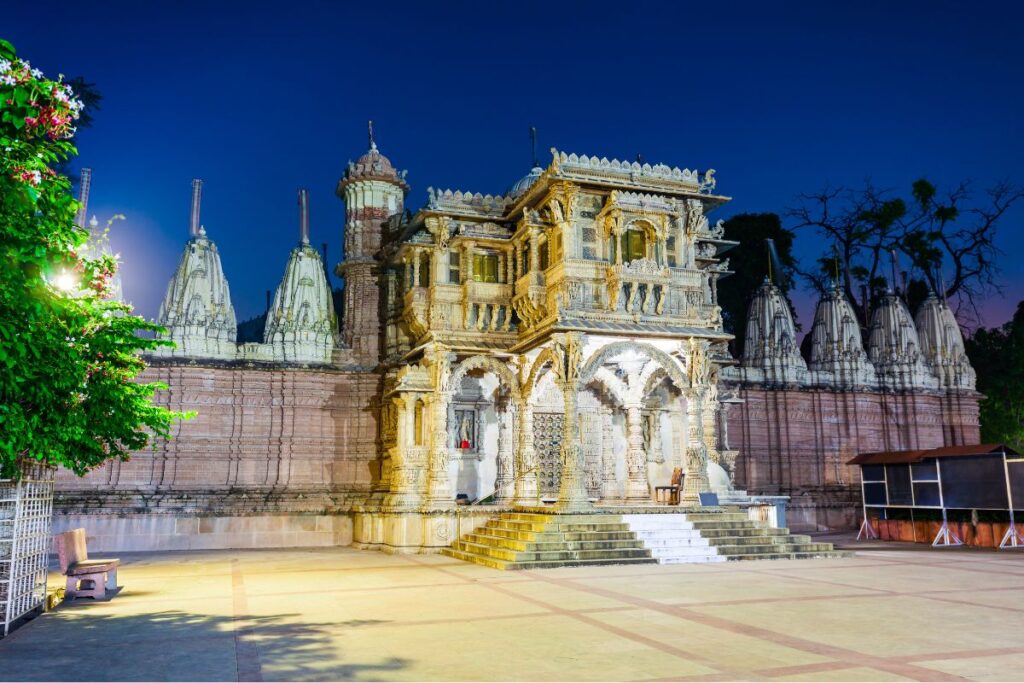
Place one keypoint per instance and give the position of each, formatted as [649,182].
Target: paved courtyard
[894,612]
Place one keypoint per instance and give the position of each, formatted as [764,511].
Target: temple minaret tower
[372,191]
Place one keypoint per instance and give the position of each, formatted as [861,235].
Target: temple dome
[836,343]
[196,309]
[524,183]
[771,338]
[301,323]
[894,347]
[942,344]
[373,166]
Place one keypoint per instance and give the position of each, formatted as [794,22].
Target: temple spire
[369,133]
[197,197]
[533,146]
[83,197]
[304,216]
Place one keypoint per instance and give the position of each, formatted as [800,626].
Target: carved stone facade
[560,344]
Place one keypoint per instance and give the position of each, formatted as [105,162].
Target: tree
[749,263]
[946,240]
[997,355]
[69,356]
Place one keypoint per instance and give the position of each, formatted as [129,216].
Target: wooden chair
[86,578]
[672,489]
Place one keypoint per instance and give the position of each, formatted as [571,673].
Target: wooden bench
[86,578]
[672,489]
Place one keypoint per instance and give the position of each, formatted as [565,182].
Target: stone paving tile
[885,625]
[734,586]
[860,673]
[725,648]
[532,648]
[338,613]
[997,668]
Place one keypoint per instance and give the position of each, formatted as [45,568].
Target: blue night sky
[259,99]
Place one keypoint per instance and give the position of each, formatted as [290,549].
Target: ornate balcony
[487,306]
[644,284]
[530,301]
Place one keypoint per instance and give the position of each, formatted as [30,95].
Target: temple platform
[543,538]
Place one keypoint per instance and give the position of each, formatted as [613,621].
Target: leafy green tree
[749,263]
[69,355]
[997,355]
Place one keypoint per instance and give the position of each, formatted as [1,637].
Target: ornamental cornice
[476,204]
[564,163]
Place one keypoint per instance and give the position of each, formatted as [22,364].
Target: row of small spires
[902,352]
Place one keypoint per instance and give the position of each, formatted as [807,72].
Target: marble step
[560,555]
[802,555]
[549,544]
[758,540]
[545,536]
[502,564]
[717,533]
[653,542]
[773,548]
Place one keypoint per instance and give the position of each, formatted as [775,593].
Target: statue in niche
[465,422]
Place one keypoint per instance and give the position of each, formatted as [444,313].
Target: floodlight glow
[66,281]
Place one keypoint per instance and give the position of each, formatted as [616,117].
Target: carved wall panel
[547,443]
[590,433]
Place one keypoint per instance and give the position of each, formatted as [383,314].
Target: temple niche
[558,346]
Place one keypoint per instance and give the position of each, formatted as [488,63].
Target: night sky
[259,99]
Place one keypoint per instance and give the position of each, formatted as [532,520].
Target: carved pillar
[467,259]
[534,250]
[572,492]
[696,450]
[402,486]
[654,445]
[407,280]
[637,489]
[711,426]
[526,490]
[439,486]
[504,482]
[517,262]
[609,486]
[415,270]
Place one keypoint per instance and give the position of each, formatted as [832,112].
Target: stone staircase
[728,533]
[541,540]
[526,540]
[671,538]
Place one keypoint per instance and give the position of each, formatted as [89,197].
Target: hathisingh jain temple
[559,345]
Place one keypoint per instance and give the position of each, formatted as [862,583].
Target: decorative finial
[197,196]
[83,197]
[304,217]
[369,128]
[533,146]
[93,222]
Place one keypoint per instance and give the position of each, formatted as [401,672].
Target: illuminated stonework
[561,343]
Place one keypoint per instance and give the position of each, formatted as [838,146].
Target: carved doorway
[547,444]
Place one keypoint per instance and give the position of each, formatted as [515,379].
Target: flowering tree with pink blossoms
[69,354]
